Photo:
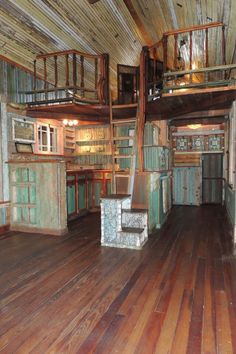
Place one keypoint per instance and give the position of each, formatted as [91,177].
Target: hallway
[69,295]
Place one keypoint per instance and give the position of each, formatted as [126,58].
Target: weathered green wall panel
[156,158]
[14,81]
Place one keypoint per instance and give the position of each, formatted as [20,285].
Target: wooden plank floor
[69,295]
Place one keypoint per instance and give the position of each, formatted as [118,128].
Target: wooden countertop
[87,170]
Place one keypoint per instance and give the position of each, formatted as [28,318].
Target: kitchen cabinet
[38,196]
[84,190]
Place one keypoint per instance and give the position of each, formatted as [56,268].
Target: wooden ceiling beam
[140,26]
[205,114]
[203,121]
[61,116]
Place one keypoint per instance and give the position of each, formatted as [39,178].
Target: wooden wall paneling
[186,159]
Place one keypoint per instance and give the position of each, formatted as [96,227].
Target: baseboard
[38,230]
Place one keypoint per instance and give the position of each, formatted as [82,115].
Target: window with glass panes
[47,138]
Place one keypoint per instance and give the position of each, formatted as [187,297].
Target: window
[48,139]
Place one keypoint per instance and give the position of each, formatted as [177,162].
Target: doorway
[127,83]
[212,178]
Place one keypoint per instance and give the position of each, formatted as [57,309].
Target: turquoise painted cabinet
[187,183]
[38,196]
[152,191]
[76,186]
[84,190]
[71,195]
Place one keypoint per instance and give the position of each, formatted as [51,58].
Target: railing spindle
[191,50]
[96,76]
[206,48]
[74,73]
[35,81]
[67,69]
[45,77]
[223,51]
[165,44]
[56,74]
[175,50]
[82,75]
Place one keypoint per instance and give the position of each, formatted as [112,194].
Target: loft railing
[181,60]
[185,79]
[69,75]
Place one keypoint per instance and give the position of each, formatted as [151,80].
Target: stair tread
[123,120]
[135,210]
[128,105]
[136,230]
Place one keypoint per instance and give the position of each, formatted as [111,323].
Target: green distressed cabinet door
[82,195]
[71,205]
[187,185]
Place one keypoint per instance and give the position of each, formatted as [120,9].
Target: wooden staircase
[126,175]
[122,226]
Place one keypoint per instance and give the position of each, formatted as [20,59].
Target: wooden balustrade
[69,75]
[159,54]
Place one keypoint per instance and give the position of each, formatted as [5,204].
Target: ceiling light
[70,123]
[194,126]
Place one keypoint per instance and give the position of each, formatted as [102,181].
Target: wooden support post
[176,51]
[67,69]
[165,44]
[74,73]
[142,111]
[82,75]
[206,48]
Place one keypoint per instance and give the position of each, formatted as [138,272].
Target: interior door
[127,84]
[212,178]
[187,185]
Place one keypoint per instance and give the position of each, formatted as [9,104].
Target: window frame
[52,145]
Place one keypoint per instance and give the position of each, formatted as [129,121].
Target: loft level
[67,75]
[183,66]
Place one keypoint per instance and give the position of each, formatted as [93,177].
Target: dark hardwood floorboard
[70,295]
